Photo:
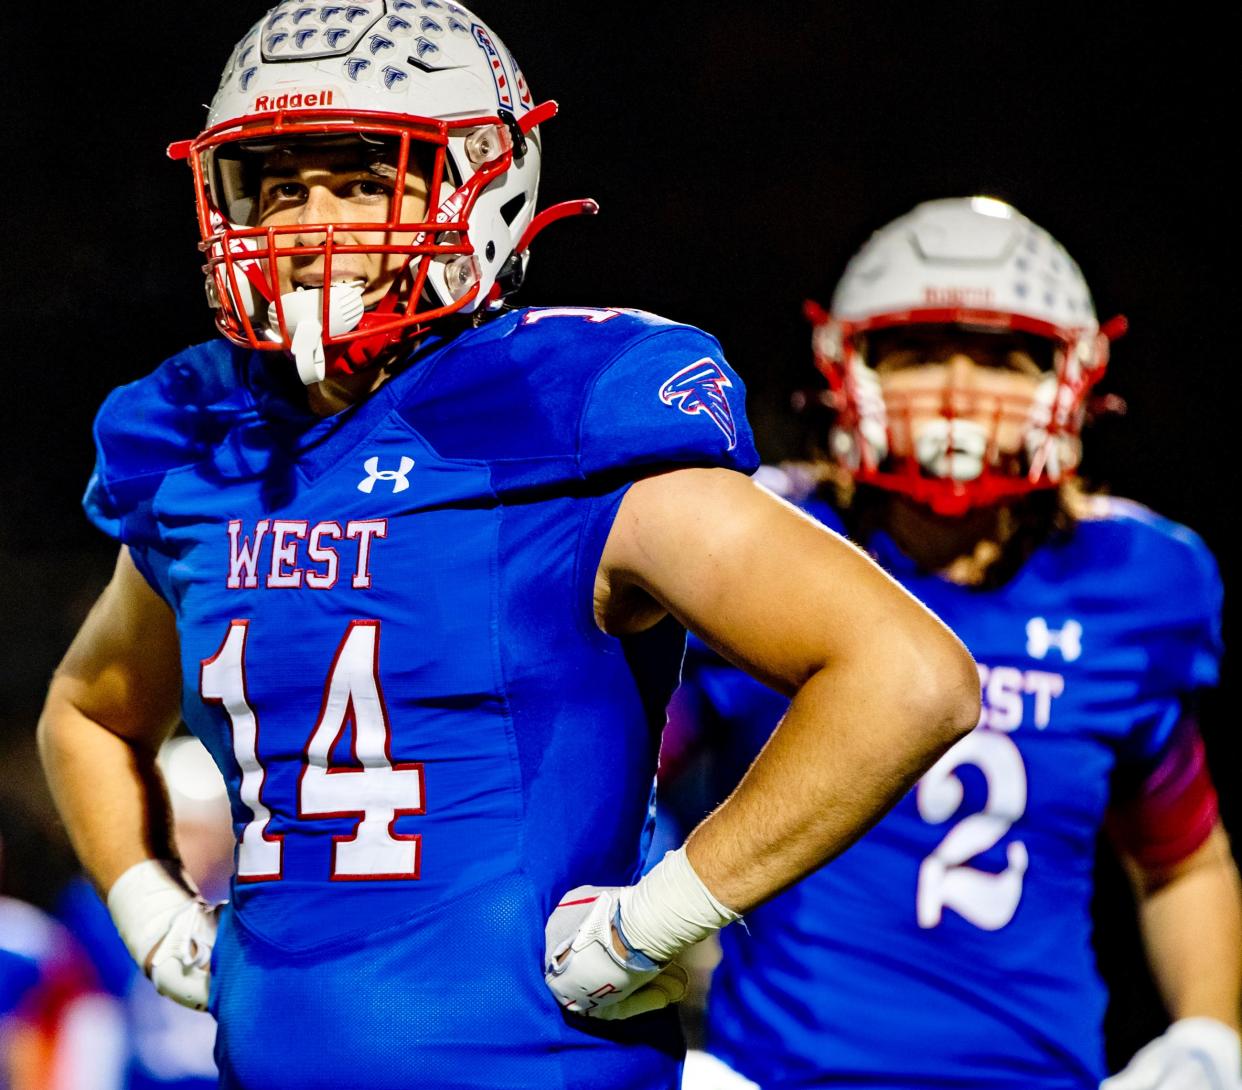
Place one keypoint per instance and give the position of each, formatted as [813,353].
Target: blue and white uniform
[951,946]
[388,645]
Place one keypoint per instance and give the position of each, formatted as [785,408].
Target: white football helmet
[970,264]
[412,81]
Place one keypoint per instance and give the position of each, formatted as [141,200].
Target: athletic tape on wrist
[144,900]
[671,909]
[1211,1038]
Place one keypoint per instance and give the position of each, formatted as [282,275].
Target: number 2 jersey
[951,946]
[388,645]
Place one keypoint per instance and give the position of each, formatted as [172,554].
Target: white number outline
[985,899]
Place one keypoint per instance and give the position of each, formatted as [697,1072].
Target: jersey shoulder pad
[1163,577]
[556,393]
[171,418]
[666,396]
[1168,555]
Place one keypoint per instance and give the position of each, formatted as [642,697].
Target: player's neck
[339,392]
[960,549]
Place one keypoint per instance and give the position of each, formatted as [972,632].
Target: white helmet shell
[968,253]
[970,263]
[429,59]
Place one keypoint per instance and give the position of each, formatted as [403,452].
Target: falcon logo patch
[700,388]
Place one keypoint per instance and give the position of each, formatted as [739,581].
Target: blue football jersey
[951,946]
[388,645]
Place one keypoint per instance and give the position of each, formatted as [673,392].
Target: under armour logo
[1040,639]
[398,476]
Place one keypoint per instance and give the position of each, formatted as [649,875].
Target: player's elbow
[940,684]
[54,730]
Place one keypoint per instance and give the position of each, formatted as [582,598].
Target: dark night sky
[740,151]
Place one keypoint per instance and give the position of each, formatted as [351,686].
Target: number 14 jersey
[388,644]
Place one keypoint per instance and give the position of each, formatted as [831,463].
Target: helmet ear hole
[510,210]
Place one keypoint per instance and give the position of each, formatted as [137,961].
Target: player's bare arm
[879,690]
[1190,913]
[880,687]
[113,700]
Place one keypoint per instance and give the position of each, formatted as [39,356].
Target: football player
[414,567]
[952,945]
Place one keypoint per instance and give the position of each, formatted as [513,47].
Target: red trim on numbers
[271,838]
[409,766]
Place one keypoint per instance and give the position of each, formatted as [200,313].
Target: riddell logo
[957,297]
[296,100]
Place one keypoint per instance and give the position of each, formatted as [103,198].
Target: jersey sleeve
[1163,814]
[149,428]
[1195,634]
[667,399]
[118,492]
[1175,634]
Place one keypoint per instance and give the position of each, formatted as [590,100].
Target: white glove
[584,971]
[1192,1054]
[168,929]
[703,1071]
[669,910]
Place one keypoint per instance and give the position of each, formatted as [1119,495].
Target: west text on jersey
[293,553]
[1005,693]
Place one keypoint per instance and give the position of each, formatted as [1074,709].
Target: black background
[740,152]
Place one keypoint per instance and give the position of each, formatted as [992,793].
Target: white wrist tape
[1215,1040]
[670,909]
[144,902]
[1192,1052]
